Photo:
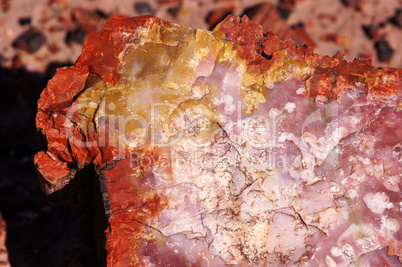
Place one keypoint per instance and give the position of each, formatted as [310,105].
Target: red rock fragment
[5,5]
[159,110]
[3,249]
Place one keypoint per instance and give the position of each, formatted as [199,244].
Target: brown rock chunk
[384,50]
[30,41]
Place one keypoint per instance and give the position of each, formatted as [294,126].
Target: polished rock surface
[228,147]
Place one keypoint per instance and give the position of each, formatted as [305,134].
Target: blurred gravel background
[36,37]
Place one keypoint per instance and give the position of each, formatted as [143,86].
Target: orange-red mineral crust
[229,147]
[3,249]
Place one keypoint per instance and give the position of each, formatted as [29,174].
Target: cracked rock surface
[228,147]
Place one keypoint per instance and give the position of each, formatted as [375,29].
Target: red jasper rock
[228,147]
[3,249]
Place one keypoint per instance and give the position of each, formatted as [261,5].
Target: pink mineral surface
[229,147]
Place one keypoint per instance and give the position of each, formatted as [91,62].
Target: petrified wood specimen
[228,147]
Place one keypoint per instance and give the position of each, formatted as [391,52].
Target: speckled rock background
[38,36]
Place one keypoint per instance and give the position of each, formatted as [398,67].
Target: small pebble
[143,8]
[253,10]
[397,18]
[174,11]
[78,35]
[283,12]
[384,51]
[351,3]
[30,41]
[24,21]
[372,31]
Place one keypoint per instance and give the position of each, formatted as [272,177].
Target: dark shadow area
[39,233]
[83,198]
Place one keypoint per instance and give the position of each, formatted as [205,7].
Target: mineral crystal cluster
[228,147]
